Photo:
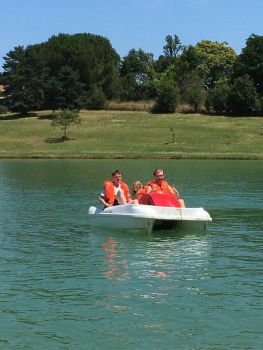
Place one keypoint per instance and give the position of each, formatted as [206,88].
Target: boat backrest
[159,199]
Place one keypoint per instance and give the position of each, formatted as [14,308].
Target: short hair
[115,172]
[157,171]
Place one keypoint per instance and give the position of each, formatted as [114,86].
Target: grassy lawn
[122,134]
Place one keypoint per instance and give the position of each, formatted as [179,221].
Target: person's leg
[134,201]
[120,197]
[182,203]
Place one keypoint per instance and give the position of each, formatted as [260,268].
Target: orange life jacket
[141,191]
[159,187]
[109,191]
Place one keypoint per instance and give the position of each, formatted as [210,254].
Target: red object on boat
[159,199]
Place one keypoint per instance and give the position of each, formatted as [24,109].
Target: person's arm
[103,202]
[174,191]
[149,189]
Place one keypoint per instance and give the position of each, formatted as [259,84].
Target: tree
[250,61]
[60,73]
[135,74]
[65,90]
[163,63]
[24,77]
[216,61]
[64,119]
[90,56]
[167,95]
[242,98]
[96,98]
[218,96]
[171,50]
[187,75]
[195,97]
[173,46]
[3,109]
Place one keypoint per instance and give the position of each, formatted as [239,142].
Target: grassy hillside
[112,134]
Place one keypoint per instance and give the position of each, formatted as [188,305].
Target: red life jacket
[159,187]
[109,191]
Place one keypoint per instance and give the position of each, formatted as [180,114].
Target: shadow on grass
[45,117]
[57,139]
[16,116]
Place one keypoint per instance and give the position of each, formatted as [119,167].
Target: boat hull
[147,218]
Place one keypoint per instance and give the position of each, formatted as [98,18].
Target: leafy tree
[60,73]
[173,46]
[64,119]
[216,61]
[3,109]
[195,97]
[187,75]
[163,63]
[135,74]
[218,96]
[24,77]
[242,98]
[96,98]
[259,106]
[250,61]
[91,56]
[171,50]
[65,90]
[1,78]
[167,95]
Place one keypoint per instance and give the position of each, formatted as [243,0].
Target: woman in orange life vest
[159,185]
[115,191]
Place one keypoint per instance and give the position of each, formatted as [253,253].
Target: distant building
[2,89]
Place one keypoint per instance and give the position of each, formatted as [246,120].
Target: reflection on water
[63,286]
[117,268]
[162,256]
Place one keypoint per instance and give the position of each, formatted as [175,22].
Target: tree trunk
[65,133]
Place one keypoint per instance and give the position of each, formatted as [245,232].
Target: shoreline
[130,157]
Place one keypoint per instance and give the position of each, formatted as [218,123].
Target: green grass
[122,134]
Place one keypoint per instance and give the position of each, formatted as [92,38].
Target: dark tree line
[84,71]
[67,71]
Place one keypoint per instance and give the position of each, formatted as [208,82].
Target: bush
[242,98]
[167,96]
[96,99]
[217,97]
[259,106]
[195,98]
[3,109]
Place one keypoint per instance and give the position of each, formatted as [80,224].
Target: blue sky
[130,24]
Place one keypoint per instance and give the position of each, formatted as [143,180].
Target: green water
[65,287]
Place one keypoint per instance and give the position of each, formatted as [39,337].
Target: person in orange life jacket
[137,190]
[159,185]
[115,191]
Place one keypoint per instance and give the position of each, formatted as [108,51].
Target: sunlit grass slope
[112,134]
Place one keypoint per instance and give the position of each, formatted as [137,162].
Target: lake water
[63,286]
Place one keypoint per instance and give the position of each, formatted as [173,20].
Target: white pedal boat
[147,218]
